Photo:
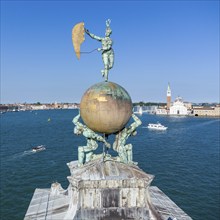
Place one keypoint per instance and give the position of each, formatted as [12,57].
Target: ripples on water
[184,159]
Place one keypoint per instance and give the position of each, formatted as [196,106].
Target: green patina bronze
[105,108]
[125,150]
[110,88]
[106,49]
[85,153]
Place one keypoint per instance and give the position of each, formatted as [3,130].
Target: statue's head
[108,30]
[134,133]
[78,130]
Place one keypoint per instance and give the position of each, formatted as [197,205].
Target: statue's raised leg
[106,75]
[111,61]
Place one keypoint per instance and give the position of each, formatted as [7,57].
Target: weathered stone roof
[44,206]
[105,170]
[104,190]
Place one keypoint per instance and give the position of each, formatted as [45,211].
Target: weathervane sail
[78,37]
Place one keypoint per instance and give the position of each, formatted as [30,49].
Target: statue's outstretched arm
[101,139]
[97,137]
[93,36]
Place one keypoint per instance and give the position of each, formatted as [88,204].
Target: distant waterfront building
[207,111]
[161,111]
[150,109]
[188,105]
[145,109]
[178,107]
[38,107]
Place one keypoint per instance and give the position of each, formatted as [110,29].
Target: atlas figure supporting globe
[86,152]
[125,150]
[106,49]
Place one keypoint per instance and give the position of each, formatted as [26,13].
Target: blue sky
[155,42]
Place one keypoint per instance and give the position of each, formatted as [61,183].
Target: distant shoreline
[179,116]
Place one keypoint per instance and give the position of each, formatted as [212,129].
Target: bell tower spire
[168,96]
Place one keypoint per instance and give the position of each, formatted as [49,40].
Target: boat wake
[21,155]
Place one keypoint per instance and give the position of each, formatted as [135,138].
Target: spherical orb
[106,107]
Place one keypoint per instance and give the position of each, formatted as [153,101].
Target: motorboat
[38,148]
[157,126]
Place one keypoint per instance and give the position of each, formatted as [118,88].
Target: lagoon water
[184,159]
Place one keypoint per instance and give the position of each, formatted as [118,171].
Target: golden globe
[106,107]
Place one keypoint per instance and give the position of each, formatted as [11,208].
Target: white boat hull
[159,129]
[157,126]
[39,148]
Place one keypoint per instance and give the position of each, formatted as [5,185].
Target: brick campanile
[168,96]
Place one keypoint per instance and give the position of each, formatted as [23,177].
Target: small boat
[38,148]
[157,126]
